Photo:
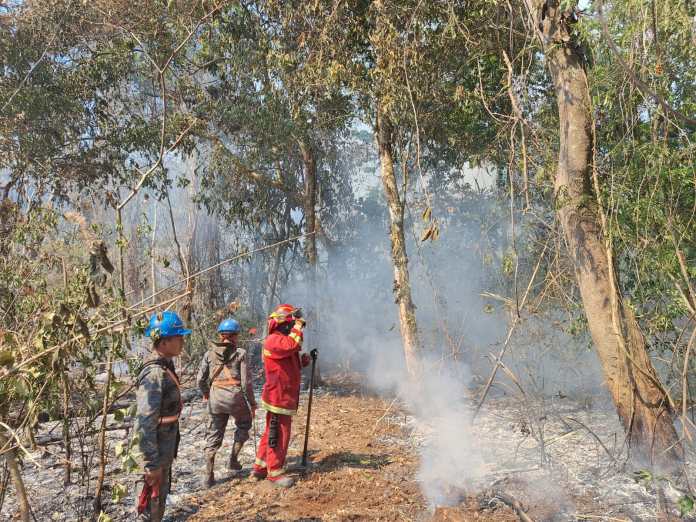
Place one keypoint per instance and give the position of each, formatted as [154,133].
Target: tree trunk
[272,297]
[192,228]
[101,474]
[65,381]
[310,204]
[17,481]
[153,272]
[640,399]
[310,211]
[402,283]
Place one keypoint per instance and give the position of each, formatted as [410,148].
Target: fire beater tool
[314,353]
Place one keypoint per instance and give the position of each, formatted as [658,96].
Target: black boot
[209,476]
[234,464]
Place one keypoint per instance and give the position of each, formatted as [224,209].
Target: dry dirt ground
[363,467]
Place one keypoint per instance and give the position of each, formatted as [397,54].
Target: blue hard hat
[228,325]
[165,324]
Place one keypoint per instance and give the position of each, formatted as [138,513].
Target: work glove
[148,493]
[305,359]
[300,322]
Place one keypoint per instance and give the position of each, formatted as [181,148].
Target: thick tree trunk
[640,399]
[402,282]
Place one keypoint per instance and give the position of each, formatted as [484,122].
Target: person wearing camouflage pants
[224,378]
[159,405]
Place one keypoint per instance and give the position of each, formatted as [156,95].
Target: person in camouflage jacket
[159,405]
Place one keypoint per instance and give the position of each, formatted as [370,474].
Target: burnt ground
[363,467]
[365,454]
[555,459]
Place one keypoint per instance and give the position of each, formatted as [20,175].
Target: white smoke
[359,331]
[451,457]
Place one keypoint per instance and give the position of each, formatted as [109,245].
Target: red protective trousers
[270,462]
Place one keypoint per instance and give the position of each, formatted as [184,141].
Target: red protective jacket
[282,363]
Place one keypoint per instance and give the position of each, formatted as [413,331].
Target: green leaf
[130,464]
[642,475]
[685,505]
[8,340]
[21,388]
[120,414]
[103,517]
[34,372]
[118,449]
[6,358]
[119,492]
[39,342]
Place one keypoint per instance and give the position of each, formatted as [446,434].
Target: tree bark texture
[639,397]
[310,203]
[402,283]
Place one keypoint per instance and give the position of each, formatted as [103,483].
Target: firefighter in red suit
[281,392]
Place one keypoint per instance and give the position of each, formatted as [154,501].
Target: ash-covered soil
[569,458]
[560,459]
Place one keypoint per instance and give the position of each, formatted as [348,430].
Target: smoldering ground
[358,330]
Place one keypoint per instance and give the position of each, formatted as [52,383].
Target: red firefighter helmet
[280,315]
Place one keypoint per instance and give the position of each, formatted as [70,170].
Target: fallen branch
[513,503]
[601,517]
[595,437]
[52,439]
[384,415]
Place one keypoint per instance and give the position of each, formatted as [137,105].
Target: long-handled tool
[252,412]
[314,355]
[253,420]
